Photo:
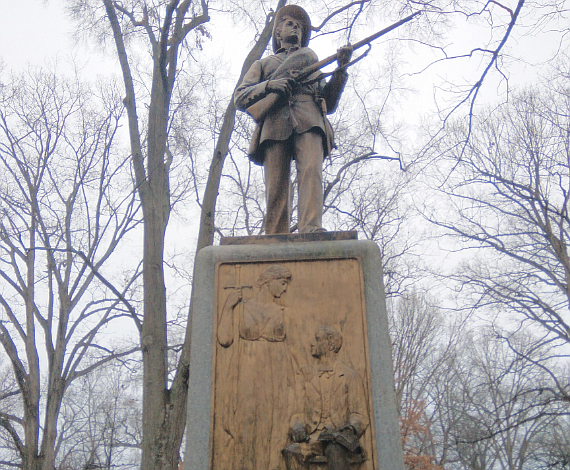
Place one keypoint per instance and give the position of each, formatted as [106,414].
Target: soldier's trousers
[308,152]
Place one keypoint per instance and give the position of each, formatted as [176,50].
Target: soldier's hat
[296,12]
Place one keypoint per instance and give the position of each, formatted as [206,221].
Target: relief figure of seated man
[333,412]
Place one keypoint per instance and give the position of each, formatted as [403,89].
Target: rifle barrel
[329,60]
[260,109]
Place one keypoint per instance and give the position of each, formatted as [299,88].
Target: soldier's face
[291,31]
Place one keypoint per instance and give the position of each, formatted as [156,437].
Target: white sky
[38,32]
[31,31]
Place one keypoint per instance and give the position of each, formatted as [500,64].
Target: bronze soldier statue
[293,127]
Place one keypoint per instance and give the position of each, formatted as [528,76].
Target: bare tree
[491,412]
[554,447]
[101,421]
[423,341]
[164,28]
[9,401]
[508,191]
[62,217]
[416,330]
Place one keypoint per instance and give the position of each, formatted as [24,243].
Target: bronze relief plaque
[291,372]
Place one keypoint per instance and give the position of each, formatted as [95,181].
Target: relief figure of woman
[260,373]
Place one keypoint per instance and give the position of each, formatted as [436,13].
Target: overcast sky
[31,31]
[36,31]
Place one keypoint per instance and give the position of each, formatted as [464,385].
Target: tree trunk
[156,210]
[32,388]
[154,346]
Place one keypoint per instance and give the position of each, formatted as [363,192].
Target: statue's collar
[287,51]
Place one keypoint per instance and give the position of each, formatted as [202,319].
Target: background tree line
[90,169]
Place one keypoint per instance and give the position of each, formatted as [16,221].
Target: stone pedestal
[260,314]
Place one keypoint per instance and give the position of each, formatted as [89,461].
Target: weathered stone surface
[300,289]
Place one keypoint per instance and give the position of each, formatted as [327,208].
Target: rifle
[259,110]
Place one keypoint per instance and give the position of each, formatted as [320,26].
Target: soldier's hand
[299,434]
[282,86]
[344,55]
[348,427]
